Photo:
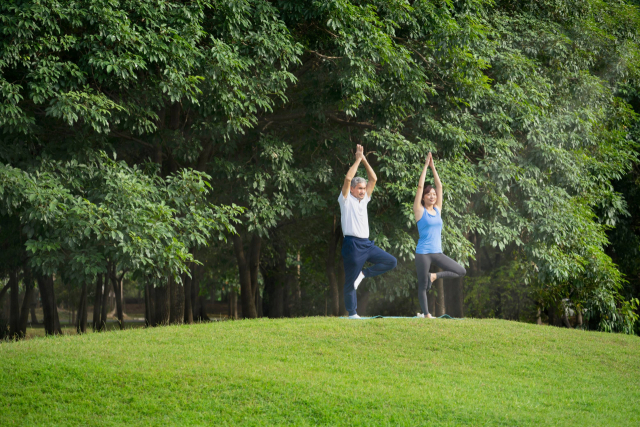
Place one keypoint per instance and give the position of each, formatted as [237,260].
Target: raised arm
[436,180]
[371,176]
[352,171]
[418,209]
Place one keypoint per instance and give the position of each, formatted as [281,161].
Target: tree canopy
[238,120]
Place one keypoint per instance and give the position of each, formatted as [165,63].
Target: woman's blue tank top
[430,229]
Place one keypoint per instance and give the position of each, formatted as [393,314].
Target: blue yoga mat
[444,316]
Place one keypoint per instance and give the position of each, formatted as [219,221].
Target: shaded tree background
[234,122]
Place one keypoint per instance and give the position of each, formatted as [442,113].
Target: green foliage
[108,66]
[528,107]
[500,294]
[606,311]
[519,103]
[79,216]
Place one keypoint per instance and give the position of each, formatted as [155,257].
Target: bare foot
[429,316]
[433,277]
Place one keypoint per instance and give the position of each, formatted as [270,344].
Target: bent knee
[462,272]
[393,262]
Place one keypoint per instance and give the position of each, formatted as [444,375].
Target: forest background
[192,152]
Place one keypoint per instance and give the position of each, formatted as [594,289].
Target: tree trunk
[276,309]
[153,310]
[246,292]
[578,317]
[439,287]
[553,315]
[202,307]
[14,311]
[272,300]
[172,301]
[176,317]
[117,290]
[565,318]
[478,263]
[473,263]
[49,306]
[162,305]
[254,263]
[56,317]
[32,308]
[259,310]
[199,301]
[233,304]
[269,279]
[281,280]
[188,309]
[4,291]
[195,290]
[47,312]
[26,303]
[292,291]
[97,304]
[105,305]
[454,297]
[431,300]
[179,302]
[76,320]
[81,324]
[539,316]
[297,292]
[35,296]
[5,308]
[287,293]
[85,314]
[334,293]
[291,302]
[148,309]
[123,303]
[275,278]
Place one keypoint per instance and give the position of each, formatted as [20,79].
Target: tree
[519,101]
[174,79]
[108,215]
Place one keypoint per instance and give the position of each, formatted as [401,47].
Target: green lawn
[325,371]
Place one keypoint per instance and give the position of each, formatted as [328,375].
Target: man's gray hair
[358,180]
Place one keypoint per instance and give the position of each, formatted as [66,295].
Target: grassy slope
[325,371]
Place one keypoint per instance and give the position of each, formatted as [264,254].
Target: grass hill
[325,371]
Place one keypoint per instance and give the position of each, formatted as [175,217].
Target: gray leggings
[423,263]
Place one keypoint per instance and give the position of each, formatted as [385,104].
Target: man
[356,247]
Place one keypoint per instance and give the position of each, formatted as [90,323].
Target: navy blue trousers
[355,252]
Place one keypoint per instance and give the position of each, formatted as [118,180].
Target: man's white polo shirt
[353,214]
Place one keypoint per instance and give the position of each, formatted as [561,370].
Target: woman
[427,208]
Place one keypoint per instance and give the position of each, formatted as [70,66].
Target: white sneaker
[358,280]
[354,316]
[420,315]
